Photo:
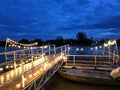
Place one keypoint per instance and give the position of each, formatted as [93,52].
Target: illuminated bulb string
[11,43]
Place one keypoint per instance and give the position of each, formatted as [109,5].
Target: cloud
[51,18]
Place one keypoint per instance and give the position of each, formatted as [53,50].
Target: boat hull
[87,79]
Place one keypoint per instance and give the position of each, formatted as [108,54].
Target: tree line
[80,40]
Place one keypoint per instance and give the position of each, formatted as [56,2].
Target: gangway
[30,69]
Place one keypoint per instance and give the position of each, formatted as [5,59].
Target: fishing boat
[89,76]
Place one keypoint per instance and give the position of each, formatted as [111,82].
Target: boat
[89,76]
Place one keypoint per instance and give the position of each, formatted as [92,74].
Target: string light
[100,46]
[1,69]
[30,76]
[7,67]
[110,43]
[12,43]
[77,49]
[91,48]
[18,86]
[96,47]
[69,48]
[81,49]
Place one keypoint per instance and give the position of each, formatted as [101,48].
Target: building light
[81,49]
[91,48]
[96,47]
[77,49]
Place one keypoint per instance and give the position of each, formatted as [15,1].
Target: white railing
[32,57]
[109,56]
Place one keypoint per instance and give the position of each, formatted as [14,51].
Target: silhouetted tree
[82,39]
[81,36]
[25,41]
[59,41]
[39,41]
[59,38]
[2,43]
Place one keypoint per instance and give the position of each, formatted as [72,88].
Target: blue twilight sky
[47,19]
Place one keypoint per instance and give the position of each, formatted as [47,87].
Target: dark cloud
[47,19]
[110,22]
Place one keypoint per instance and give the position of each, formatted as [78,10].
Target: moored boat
[89,76]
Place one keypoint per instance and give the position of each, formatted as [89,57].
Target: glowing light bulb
[77,49]
[30,76]
[1,69]
[91,48]
[35,74]
[7,67]
[96,47]
[68,47]
[38,72]
[18,46]
[11,66]
[17,85]
[25,79]
[81,49]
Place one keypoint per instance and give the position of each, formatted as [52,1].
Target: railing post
[54,50]
[66,60]
[65,49]
[23,83]
[109,54]
[49,49]
[42,49]
[68,49]
[74,60]
[14,60]
[61,50]
[113,57]
[32,57]
[95,62]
